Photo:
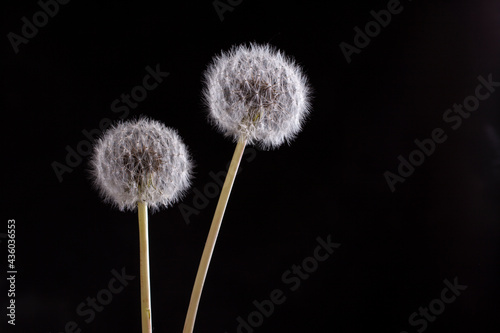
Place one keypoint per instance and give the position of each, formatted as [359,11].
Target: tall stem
[142,208]
[212,236]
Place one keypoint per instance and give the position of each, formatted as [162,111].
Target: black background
[396,248]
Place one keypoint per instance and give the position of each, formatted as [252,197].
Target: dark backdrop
[397,248]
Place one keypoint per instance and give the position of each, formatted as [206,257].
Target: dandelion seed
[255,95]
[141,164]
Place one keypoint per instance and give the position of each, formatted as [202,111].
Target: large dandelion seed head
[141,160]
[256,92]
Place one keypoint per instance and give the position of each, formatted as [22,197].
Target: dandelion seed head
[257,92]
[141,160]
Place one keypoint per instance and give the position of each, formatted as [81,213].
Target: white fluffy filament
[257,92]
[141,161]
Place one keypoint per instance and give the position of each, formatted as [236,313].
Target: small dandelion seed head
[257,92]
[141,160]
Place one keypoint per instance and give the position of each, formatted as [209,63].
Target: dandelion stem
[212,236]
[144,268]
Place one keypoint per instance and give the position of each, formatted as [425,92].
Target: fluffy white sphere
[141,160]
[257,92]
